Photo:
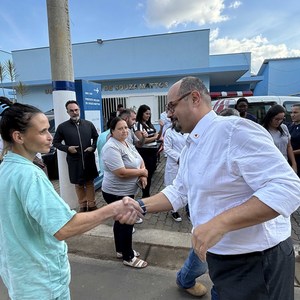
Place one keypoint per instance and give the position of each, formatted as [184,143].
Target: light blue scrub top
[33,263]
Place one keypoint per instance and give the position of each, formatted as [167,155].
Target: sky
[266,28]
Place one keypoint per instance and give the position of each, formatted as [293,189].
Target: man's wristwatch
[142,205]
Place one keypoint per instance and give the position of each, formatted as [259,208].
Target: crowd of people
[239,190]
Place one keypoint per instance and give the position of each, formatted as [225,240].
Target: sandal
[135,263]
[135,253]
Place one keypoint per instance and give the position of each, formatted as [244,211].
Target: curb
[160,248]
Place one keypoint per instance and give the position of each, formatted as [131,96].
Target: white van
[259,105]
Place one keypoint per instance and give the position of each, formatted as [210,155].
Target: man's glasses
[73,110]
[171,105]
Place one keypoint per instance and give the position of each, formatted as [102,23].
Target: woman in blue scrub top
[34,219]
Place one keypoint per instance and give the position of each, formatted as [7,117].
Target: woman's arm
[148,140]
[125,211]
[127,173]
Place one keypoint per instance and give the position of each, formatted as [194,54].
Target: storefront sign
[135,86]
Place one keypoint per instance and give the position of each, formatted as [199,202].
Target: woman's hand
[143,181]
[127,210]
[155,136]
[144,172]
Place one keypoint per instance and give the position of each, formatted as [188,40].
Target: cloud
[171,13]
[259,47]
[140,6]
[235,4]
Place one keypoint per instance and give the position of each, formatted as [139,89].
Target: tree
[21,89]
[12,73]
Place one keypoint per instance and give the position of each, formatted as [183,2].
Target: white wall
[135,102]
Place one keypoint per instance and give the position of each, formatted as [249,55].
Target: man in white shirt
[241,193]
[167,121]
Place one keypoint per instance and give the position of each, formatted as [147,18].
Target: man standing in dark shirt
[80,140]
[294,129]
[242,106]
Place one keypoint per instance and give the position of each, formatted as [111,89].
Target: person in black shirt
[77,135]
[242,106]
[294,129]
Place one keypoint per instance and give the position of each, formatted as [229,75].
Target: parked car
[50,159]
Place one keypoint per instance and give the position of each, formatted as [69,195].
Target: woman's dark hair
[139,115]
[271,113]
[16,117]
[114,123]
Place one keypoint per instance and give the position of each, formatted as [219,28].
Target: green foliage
[11,70]
[8,71]
[21,89]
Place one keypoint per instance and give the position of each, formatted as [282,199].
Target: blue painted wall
[280,77]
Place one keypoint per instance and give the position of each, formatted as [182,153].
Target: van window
[258,109]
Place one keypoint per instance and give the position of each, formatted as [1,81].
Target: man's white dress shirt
[225,162]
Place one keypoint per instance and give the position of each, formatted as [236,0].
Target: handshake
[126,210]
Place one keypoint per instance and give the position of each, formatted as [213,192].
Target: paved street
[95,279]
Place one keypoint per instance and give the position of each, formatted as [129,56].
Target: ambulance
[259,105]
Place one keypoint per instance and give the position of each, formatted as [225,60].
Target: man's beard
[176,126]
[75,119]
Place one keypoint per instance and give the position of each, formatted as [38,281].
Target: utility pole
[62,81]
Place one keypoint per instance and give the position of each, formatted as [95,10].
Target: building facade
[137,70]
[140,70]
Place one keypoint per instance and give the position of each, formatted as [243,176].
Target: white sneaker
[176,216]
[133,230]
[139,221]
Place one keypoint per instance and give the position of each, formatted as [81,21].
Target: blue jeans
[193,268]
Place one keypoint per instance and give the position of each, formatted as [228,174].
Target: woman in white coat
[174,141]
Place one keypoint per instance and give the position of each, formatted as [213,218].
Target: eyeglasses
[171,105]
[76,110]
